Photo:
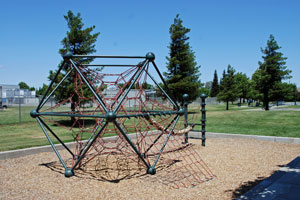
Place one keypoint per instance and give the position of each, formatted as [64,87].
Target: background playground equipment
[152,134]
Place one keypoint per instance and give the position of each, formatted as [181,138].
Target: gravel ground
[238,164]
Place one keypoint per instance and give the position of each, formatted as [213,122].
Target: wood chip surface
[238,164]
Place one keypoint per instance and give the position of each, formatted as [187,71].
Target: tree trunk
[227,105]
[267,105]
[266,100]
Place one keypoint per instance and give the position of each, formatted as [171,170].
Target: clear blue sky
[222,33]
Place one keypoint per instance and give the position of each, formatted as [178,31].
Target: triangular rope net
[118,127]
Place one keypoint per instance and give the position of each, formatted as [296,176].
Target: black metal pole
[185,107]
[203,119]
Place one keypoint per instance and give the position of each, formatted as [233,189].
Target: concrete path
[284,184]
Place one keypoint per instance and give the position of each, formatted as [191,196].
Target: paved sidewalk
[284,184]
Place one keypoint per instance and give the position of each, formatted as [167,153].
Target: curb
[255,137]
[34,150]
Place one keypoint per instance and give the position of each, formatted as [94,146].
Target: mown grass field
[239,120]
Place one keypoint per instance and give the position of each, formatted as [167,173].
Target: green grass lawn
[236,120]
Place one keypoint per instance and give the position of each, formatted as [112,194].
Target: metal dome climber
[143,129]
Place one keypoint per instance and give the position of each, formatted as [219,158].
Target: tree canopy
[270,72]
[228,90]
[23,85]
[242,85]
[80,41]
[182,74]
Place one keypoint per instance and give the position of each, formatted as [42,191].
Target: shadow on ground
[246,186]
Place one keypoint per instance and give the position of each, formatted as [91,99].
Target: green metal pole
[87,148]
[163,91]
[50,85]
[61,142]
[51,143]
[131,85]
[45,100]
[203,120]
[20,120]
[151,170]
[98,98]
[166,85]
[131,144]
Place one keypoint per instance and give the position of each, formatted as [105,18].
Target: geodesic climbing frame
[114,121]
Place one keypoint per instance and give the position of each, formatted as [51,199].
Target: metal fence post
[20,120]
[203,119]
[185,107]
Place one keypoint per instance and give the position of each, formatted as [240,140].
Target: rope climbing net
[116,124]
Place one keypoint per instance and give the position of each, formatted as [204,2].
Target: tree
[42,90]
[23,85]
[242,85]
[182,74]
[253,93]
[228,91]
[215,85]
[282,91]
[78,41]
[271,71]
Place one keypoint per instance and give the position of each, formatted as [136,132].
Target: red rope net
[111,157]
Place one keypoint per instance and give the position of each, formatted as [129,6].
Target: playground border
[35,150]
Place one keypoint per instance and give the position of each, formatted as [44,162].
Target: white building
[12,94]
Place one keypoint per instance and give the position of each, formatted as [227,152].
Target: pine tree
[182,74]
[79,41]
[271,71]
[228,91]
[215,85]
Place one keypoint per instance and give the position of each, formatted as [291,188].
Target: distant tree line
[265,85]
[183,72]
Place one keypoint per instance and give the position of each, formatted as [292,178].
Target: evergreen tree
[42,90]
[23,85]
[228,91]
[215,85]
[271,71]
[282,91]
[242,85]
[79,41]
[182,74]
